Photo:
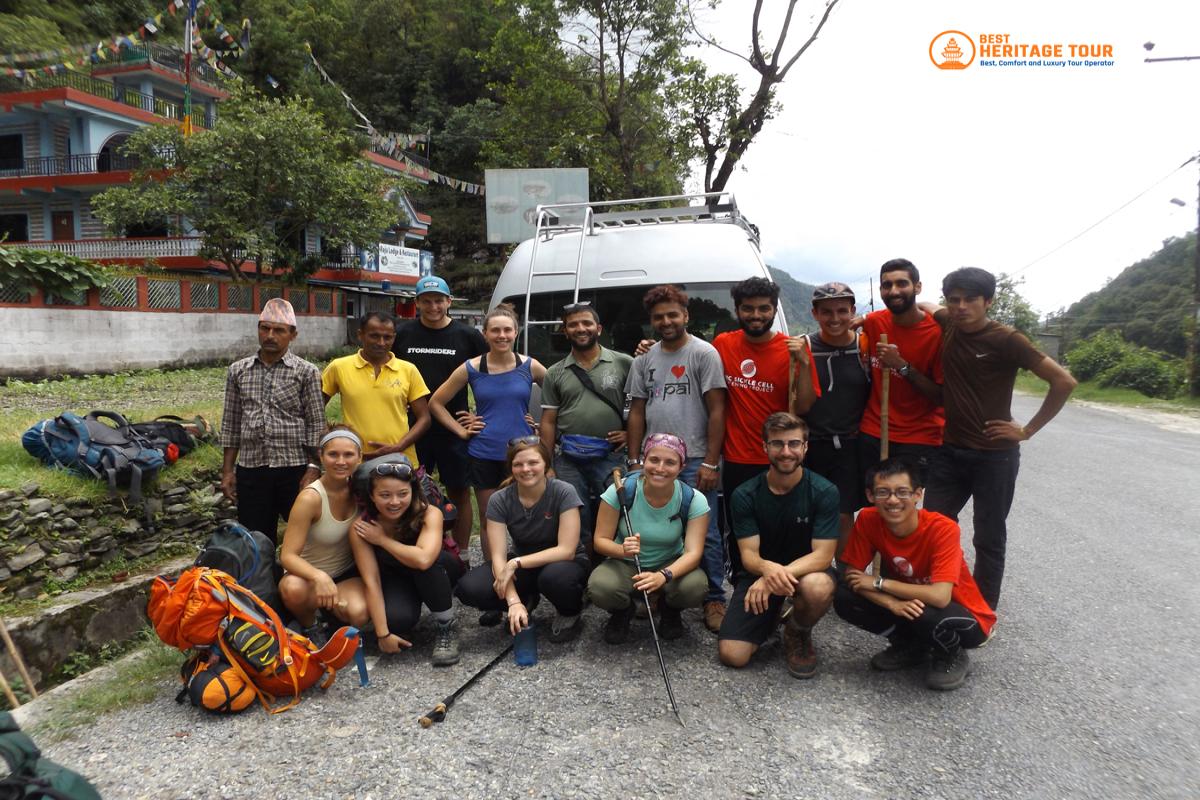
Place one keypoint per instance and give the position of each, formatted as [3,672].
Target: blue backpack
[685,500]
[114,453]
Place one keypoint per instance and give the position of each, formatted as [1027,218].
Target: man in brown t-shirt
[980,453]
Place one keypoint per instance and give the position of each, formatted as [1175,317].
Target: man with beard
[755,360]
[437,345]
[913,353]
[786,524]
[583,402]
[677,387]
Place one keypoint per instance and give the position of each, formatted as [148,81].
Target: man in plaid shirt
[272,421]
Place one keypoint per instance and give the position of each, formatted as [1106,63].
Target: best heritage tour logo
[956,50]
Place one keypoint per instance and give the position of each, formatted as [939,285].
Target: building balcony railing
[112,249]
[78,164]
[169,57]
[108,91]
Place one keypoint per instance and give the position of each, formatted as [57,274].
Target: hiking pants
[561,583]
[405,589]
[989,477]
[265,495]
[942,629]
[590,479]
[611,587]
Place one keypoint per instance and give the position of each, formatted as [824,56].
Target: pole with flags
[188,32]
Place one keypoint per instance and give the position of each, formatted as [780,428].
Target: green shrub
[1096,354]
[1146,371]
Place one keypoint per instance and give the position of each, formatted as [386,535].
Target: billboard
[514,194]
[399,260]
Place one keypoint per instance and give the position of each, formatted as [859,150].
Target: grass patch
[1093,392]
[134,682]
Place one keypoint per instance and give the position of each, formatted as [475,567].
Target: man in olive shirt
[583,398]
[981,455]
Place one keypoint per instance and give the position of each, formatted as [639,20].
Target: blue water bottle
[525,646]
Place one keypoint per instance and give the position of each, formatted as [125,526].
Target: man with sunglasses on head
[924,600]
[583,419]
[786,524]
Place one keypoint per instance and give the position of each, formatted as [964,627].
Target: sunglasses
[530,439]
[582,305]
[402,471]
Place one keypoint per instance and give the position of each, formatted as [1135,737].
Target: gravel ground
[1089,688]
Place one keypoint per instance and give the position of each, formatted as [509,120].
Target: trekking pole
[438,713]
[883,406]
[637,562]
[8,692]
[17,659]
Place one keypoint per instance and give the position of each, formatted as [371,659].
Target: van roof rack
[713,207]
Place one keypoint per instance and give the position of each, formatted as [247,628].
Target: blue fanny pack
[584,448]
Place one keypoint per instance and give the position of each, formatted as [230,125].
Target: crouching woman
[669,546]
[316,554]
[397,545]
[546,559]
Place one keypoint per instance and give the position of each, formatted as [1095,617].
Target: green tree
[1011,307]
[268,170]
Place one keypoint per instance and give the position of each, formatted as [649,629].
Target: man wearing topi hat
[272,420]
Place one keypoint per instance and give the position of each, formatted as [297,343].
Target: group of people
[788,427]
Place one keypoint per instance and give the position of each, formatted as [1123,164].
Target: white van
[610,253]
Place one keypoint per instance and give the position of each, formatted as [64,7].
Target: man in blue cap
[437,345]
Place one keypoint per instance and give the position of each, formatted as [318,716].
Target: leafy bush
[1111,361]
[1096,354]
[55,273]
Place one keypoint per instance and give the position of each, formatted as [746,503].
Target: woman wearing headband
[316,548]
[545,559]
[668,545]
[397,545]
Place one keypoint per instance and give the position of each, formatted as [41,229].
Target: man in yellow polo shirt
[378,390]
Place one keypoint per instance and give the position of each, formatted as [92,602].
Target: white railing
[99,249]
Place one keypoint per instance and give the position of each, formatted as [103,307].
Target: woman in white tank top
[316,546]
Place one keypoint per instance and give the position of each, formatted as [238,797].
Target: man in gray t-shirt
[678,386]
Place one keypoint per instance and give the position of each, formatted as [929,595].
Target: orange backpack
[206,607]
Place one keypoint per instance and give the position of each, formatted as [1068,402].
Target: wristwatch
[879,584]
[904,371]
[666,573]
[630,463]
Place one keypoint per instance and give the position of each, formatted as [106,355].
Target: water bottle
[525,646]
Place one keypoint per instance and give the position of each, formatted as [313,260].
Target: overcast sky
[879,154]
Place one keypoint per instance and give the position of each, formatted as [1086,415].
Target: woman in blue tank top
[500,381]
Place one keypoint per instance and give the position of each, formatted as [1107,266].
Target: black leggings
[561,582]
[405,589]
[943,629]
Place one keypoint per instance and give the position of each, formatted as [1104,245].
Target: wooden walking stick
[17,659]
[8,692]
[886,373]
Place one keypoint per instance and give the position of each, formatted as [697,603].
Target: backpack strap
[586,380]
[685,499]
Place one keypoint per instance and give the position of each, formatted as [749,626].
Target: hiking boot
[317,633]
[640,611]
[948,671]
[798,651]
[714,615]
[616,630]
[900,654]
[490,619]
[564,629]
[445,644]
[670,622]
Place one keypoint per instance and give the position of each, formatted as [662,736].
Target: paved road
[1090,688]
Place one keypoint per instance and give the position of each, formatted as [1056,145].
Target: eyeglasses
[402,471]
[885,494]
[582,305]
[530,439]
[790,444]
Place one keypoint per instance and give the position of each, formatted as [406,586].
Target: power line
[1105,218]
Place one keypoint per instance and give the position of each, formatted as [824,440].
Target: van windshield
[625,322]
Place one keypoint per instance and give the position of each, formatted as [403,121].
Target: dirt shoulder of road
[1181,421]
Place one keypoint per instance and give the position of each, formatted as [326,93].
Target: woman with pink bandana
[668,545]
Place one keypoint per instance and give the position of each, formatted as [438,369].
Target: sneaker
[490,619]
[670,622]
[445,644]
[948,672]
[798,651]
[616,630]
[714,615]
[316,633]
[564,629]
[900,654]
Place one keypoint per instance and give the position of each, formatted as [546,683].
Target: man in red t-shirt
[914,356]
[925,600]
[755,361]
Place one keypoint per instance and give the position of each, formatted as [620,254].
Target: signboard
[426,263]
[399,260]
[513,196]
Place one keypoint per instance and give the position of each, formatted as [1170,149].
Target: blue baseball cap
[432,283]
